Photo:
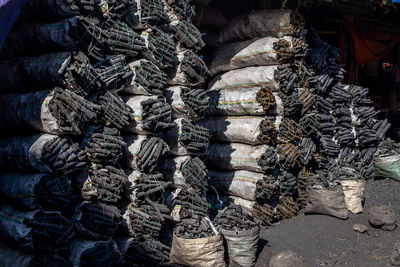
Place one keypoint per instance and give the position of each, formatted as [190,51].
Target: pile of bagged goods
[109,128]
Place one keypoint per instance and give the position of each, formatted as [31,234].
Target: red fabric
[366,46]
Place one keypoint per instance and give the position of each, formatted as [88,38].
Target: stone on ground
[382,217]
[287,258]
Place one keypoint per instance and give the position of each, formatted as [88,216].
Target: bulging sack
[241,129]
[258,23]
[328,201]
[255,52]
[388,166]
[235,156]
[239,183]
[354,195]
[200,252]
[242,245]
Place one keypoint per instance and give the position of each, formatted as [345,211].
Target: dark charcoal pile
[84,114]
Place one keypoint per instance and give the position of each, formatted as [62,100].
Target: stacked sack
[253,123]
[84,113]
[311,130]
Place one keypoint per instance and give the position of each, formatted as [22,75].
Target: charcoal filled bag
[241,234]
[245,101]
[99,182]
[33,231]
[11,257]
[71,33]
[186,102]
[141,186]
[251,130]
[204,252]
[236,183]
[139,14]
[36,10]
[186,172]
[161,49]
[235,156]
[96,221]
[246,78]
[256,52]
[387,166]
[188,70]
[187,138]
[41,153]
[151,114]
[26,191]
[72,71]
[144,153]
[327,201]
[143,250]
[94,253]
[56,112]
[147,79]
[186,35]
[259,23]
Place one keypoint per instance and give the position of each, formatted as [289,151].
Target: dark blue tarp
[9,11]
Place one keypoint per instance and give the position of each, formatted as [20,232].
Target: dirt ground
[328,241]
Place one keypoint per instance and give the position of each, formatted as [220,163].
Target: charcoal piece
[41,153]
[292,104]
[287,183]
[307,99]
[268,132]
[142,186]
[187,138]
[359,95]
[345,136]
[302,190]
[195,228]
[380,127]
[289,131]
[289,156]
[323,54]
[284,50]
[328,147]
[56,112]
[72,71]
[161,48]
[103,183]
[184,9]
[35,231]
[103,144]
[186,35]
[144,250]
[37,191]
[114,112]
[188,69]
[147,79]
[307,150]
[268,160]
[326,124]
[267,189]
[188,103]
[189,204]
[143,153]
[186,172]
[96,221]
[309,124]
[121,39]
[286,208]
[264,214]
[266,98]
[48,10]
[152,114]
[340,94]
[94,253]
[143,221]
[113,72]
[235,218]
